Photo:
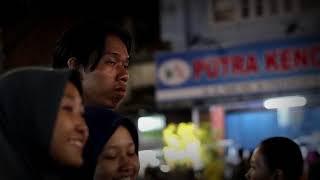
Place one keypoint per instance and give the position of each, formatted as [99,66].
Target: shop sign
[281,65]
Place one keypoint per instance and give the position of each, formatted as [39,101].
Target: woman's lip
[77,142]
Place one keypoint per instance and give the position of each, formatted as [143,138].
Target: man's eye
[110,62]
[67,108]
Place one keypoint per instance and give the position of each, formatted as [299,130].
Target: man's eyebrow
[117,54]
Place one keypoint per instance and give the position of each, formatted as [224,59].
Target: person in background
[101,53]
[314,165]
[276,158]
[241,168]
[112,149]
[42,122]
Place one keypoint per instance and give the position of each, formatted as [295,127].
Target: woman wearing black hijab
[112,148]
[276,158]
[41,122]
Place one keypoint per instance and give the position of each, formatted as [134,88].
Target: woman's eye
[109,157]
[131,153]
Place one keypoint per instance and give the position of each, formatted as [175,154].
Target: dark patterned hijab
[102,123]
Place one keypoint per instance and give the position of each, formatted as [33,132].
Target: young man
[101,53]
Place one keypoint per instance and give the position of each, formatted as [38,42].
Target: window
[259,8]
[223,10]
[287,4]
[307,5]
[245,8]
[232,11]
[274,7]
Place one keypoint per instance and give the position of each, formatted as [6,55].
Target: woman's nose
[125,162]
[82,127]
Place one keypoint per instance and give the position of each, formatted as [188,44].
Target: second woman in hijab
[41,119]
[112,149]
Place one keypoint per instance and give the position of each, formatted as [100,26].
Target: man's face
[107,84]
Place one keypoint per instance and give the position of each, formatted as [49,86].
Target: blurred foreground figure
[276,158]
[41,123]
[112,149]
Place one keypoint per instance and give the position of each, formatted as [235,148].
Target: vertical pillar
[1,51]
[195,116]
[217,121]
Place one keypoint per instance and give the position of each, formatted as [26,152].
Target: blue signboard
[285,64]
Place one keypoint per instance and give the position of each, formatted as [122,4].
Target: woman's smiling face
[118,159]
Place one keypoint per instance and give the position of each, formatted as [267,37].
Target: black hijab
[102,123]
[11,167]
[29,102]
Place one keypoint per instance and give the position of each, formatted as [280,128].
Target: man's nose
[247,175]
[123,74]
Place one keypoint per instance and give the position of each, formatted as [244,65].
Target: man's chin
[110,104]
[121,94]
[116,100]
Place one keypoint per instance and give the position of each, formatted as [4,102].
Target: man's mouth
[125,178]
[121,91]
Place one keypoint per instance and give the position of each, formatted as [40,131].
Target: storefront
[232,89]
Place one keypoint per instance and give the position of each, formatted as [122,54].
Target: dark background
[30,28]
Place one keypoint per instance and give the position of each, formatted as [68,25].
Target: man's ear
[73,63]
[278,174]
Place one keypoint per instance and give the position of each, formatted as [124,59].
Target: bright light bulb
[285,102]
[151,123]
